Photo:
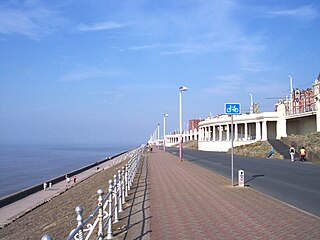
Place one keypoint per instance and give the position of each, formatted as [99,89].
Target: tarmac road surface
[295,183]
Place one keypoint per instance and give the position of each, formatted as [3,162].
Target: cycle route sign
[232,108]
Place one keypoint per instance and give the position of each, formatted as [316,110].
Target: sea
[23,166]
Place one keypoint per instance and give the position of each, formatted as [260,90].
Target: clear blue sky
[106,71]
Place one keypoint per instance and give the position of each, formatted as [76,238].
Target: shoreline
[11,198]
[19,208]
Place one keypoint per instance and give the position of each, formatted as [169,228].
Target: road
[295,183]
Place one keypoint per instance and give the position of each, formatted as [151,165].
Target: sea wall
[28,191]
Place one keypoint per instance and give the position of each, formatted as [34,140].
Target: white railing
[109,205]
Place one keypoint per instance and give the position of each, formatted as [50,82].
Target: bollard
[241,178]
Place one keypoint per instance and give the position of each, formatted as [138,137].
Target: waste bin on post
[241,178]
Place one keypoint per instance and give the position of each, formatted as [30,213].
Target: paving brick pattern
[190,202]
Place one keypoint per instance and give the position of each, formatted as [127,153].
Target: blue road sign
[232,108]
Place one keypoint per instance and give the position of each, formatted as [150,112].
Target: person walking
[67,181]
[302,154]
[74,179]
[292,151]
[269,154]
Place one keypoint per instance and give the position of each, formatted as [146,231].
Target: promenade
[190,202]
[170,199]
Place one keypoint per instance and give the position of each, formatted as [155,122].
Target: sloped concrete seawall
[39,187]
[55,214]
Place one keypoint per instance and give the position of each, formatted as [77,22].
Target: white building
[292,116]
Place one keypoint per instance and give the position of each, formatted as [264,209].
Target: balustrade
[109,205]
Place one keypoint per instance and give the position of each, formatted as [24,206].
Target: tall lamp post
[164,131]
[181,89]
[158,143]
[251,104]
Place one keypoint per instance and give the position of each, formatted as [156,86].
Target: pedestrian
[74,179]
[50,185]
[302,154]
[292,151]
[44,186]
[269,154]
[67,181]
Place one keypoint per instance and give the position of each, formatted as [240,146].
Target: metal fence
[109,205]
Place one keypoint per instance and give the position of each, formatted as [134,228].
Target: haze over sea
[22,166]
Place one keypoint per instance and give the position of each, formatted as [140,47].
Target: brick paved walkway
[190,202]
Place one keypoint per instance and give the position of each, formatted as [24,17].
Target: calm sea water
[25,166]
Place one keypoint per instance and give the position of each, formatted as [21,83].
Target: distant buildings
[297,114]
[194,124]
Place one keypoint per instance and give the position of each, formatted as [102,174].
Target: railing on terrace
[303,105]
[109,205]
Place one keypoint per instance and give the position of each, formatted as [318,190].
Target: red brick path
[190,202]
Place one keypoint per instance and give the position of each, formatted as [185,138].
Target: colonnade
[243,131]
[173,139]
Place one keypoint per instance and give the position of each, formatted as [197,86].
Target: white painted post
[123,185]
[126,180]
[241,178]
[79,210]
[115,194]
[120,191]
[109,234]
[100,214]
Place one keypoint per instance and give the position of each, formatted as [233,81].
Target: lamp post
[181,89]
[291,106]
[158,143]
[164,131]
[251,104]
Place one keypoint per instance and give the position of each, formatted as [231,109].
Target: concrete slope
[282,148]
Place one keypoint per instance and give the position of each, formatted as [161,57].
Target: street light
[251,104]
[158,143]
[181,89]
[164,131]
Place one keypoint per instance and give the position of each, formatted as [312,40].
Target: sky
[107,71]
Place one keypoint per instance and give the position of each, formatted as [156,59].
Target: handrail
[109,205]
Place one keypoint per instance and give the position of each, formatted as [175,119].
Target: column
[202,134]
[264,131]
[214,133]
[236,132]
[206,134]
[228,133]
[246,131]
[220,133]
[258,131]
[317,103]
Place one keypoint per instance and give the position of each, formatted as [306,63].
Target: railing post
[100,214]
[123,185]
[115,192]
[127,174]
[79,210]
[110,235]
[120,191]
[46,237]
